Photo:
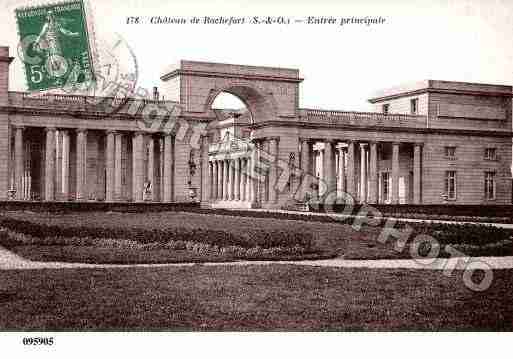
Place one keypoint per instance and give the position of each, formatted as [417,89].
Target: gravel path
[9,260]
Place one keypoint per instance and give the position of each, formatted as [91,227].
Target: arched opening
[229,155]
[233,118]
[237,108]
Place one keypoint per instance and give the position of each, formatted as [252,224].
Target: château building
[431,142]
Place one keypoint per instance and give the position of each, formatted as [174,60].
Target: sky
[462,40]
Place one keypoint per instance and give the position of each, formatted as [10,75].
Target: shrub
[463,233]
[83,235]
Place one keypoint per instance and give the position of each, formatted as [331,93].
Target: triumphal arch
[429,142]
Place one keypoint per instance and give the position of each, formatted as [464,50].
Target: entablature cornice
[257,77]
[376,128]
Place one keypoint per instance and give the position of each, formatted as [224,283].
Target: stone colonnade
[152,161]
[245,176]
[339,168]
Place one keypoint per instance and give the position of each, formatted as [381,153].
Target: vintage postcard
[237,178]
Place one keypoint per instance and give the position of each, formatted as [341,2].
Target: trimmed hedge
[470,234]
[66,207]
[501,213]
[263,239]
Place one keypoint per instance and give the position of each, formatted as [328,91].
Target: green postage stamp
[55,45]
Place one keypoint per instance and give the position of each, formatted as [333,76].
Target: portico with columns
[359,169]
[77,164]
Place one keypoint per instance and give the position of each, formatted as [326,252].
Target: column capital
[139,133]
[18,127]
[166,134]
[396,143]
[50,128]
[273,138]
[111,132]
[363,144]
[418,144]
[305,139]
[81,130]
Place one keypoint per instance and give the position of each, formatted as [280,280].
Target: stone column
[231,179]
[160,142]
[168,167]
[273,169]
[211,179]
[205,172]
[226,179]
[220,179]
[118,191]
[417,173]
[58,166]
[329,167]
[305,156]
[306,168]
[151,166]
[213,194]
[109,167]
[81,164]
[248,184]
[363,172]
[373,173]
[18,161]
[242,183]
[351,174]
[253,175]
[138,168]
[341,186]
[395,173]
[50,164]
[65,165]
[237,180]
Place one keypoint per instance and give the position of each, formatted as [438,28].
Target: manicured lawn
[113,255]
[330,239]
[274,297]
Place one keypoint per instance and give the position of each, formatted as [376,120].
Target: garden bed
[111,237]
[100,242]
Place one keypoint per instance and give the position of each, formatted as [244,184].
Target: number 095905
[38,341]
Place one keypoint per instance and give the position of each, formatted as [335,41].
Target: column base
[232,204]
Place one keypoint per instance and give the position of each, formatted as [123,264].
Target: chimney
[5,60]
[155,93]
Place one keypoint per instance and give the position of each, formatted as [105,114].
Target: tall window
[490,154]
[450,185]
[414,106]
[450,151]
[489,185]
[385,108]
[385,184]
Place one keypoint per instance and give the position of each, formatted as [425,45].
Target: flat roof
[424,86]
[214,68]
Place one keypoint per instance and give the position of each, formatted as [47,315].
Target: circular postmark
[113,80]
[106,85]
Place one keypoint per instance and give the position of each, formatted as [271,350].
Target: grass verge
[243,298]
